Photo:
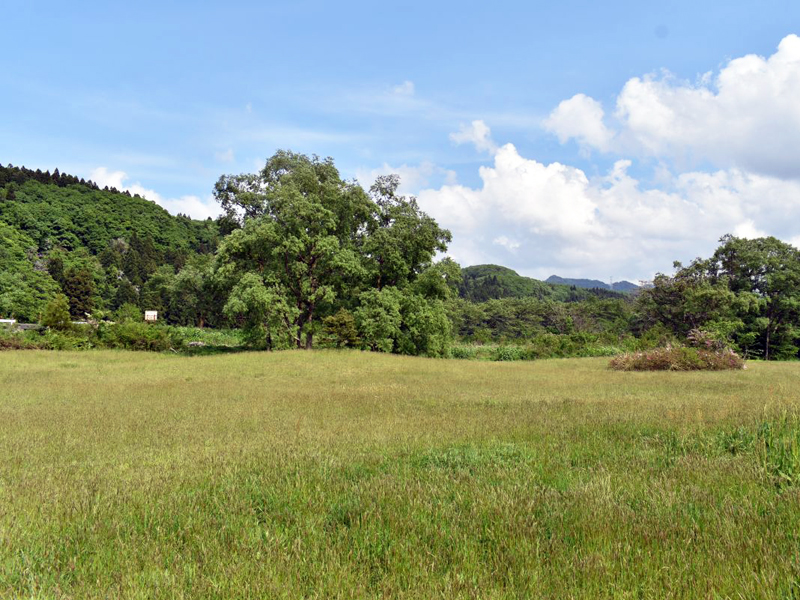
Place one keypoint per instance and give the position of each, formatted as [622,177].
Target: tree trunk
[309,331]
[766,353]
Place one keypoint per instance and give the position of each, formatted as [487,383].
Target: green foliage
[340,331]
[81,215]
[24,288]
[492,282]
[779,449]
[689,300]
[400,239]
[391,320]
[263,312]
[464,352]
[125,293]
[56,314]
[130,335]
[519,319]
[128,313]
[548,345]
[379,318]
[425,329]
[78,287]
[194,297]
[310,244]
[299,244]
[305,249]
[13,340]
[51,339]
[748,292]
[99,247]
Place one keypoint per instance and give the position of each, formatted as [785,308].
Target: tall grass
[351,475]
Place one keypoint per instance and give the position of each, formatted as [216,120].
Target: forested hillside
[492,282]
[617,286]
[58,210]
[103,248]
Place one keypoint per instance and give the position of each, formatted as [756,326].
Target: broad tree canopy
[310,243]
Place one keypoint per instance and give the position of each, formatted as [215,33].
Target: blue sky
[584,139]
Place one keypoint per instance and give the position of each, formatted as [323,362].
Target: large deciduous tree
[301,225]
[310,244]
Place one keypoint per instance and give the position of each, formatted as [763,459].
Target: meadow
[339,474]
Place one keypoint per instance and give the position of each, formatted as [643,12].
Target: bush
[506,353]
[678,358]
[129,313]
[340,331]
[50,339]
[139,336]
[56,314]
[10,340]
[464,352]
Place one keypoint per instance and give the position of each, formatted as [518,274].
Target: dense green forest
[101,248]
[301,257]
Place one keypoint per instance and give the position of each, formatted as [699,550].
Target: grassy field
[350,475]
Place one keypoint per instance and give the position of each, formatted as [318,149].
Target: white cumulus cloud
[746,117]
[580,117]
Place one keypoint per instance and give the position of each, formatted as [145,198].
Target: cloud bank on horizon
[715,156]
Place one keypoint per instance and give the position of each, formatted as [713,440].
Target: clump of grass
[212,337]
[548,345]
[678,358]
[779,449]
[464,352]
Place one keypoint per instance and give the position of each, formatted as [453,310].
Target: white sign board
[151,315]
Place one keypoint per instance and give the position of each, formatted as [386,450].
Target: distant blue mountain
[617,286]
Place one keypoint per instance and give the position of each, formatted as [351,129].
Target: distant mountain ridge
[617,286]
[490,282]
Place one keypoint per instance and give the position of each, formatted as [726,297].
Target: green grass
[347,475]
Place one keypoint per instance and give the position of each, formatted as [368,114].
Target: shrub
[677,358]
[139,336]
[129,313]
[464,352]
[10,340]
[505,353]
[340,331]
[50,339]
[56,314]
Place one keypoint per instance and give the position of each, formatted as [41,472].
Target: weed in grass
[779,449]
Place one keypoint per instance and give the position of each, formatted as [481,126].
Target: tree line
[302,257]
